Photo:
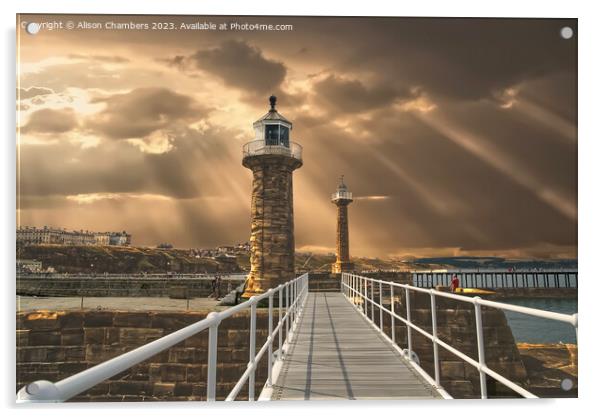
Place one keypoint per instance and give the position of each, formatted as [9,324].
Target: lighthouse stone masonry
[272,157]
[342,198]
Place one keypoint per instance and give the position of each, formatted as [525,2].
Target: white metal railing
[291,296]
[356,289]
[341,195]
[259,147]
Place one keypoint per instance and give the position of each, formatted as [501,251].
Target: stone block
[98,318]
[31,354]
[44,338]
[173,372]
[196,373]
[71,320]
[461,389]
[183,389]
[135,388]
[183,355]
[67,369]
[132,319]
[228,372]
[100,353]
[154,372]
[452,369]
[163,389]
[174,321]
[138,337]
[22,338]
[55,354]
[112,336]
[198,340]
[199,391]
[72,337]
[140,372]
[94,335]
[75,353]
[98,389]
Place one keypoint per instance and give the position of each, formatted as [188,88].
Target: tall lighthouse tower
[272,157]
[342,198]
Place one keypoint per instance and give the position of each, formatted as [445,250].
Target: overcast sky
[456,136]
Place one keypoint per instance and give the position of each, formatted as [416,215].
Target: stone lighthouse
[272,157]
[342,198]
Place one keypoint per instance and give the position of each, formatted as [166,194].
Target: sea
[530,329]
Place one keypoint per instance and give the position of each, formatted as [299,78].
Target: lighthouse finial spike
[342,176]
[273,102]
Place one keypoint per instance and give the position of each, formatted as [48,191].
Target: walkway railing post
[372,301]
[270,339]
[480,346]
[280,323]
[366,297]
[392,312]
[380,303]
[212,359]
[355,291]
[409,319]
[286,312]
[435,338]
[292,315]
[252,350]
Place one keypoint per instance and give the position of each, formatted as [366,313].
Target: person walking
[218,282]
[213,287]
[455,283]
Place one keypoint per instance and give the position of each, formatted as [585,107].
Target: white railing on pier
[493,278]
[359,290]
[259,147]
[291,298]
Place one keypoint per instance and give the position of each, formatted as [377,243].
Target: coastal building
[342,198]
[28,235]
[29,265]
[272,157]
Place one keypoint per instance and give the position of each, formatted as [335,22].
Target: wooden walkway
[337,355]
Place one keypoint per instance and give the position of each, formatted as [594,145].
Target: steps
[324,285]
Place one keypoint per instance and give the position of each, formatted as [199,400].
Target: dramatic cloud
[143,111]
[51,121]
[240,65]
[25,93]
[112,59]
[351,96]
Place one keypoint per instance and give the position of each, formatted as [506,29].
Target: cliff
[123,260]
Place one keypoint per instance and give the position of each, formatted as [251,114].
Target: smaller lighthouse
[342,198]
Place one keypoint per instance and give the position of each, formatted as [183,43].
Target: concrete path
[337,355]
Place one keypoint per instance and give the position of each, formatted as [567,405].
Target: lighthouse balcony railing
[285,304]
[341,195]
[259,147]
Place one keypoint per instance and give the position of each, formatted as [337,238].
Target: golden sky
[456,136]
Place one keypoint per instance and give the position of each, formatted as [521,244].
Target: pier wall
[54,345]
[119,287]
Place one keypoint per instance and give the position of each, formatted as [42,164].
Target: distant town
[30,235]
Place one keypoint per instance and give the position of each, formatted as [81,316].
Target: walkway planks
[336,355]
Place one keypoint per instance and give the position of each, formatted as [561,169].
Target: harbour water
[536,330]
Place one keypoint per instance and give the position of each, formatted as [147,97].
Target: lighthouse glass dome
[272,136]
